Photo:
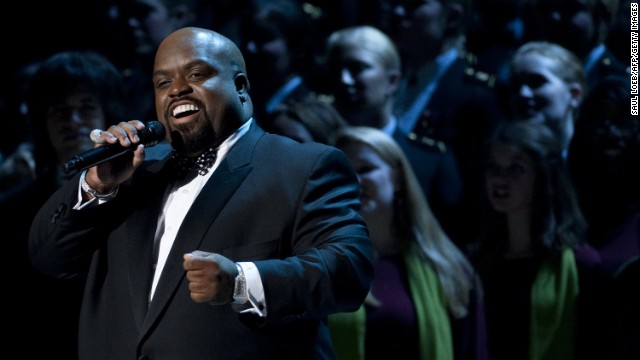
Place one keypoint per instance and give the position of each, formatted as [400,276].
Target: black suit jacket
[291,208]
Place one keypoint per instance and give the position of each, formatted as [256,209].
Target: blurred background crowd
[450,83]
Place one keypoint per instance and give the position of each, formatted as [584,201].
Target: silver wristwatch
[240,295]
[88,189]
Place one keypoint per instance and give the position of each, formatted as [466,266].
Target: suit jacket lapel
[143,223]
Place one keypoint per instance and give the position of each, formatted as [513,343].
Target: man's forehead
[205,42]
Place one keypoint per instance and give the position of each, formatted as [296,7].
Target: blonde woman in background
[424,301]
[546,84]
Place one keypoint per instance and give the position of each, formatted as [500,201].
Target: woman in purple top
[425,299]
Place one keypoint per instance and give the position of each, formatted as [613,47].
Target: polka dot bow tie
[202,163]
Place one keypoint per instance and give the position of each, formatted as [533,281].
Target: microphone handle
[149,136]
[94,156]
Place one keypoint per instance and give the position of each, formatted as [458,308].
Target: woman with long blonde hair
[425,300]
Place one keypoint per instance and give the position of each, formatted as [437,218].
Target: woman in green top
[538,274]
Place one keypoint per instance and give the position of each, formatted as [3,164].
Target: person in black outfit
[236,245]
[69,94]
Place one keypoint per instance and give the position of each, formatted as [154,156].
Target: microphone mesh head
[153,133]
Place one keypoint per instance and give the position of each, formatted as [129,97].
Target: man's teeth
[184,108]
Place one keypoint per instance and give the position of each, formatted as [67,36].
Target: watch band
[89,190]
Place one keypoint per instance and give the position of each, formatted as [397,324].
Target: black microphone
[152,133]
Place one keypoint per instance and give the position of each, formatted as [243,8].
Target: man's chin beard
[192,141]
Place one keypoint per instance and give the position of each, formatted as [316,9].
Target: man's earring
[243,99]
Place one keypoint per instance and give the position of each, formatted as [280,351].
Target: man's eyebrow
[189,65]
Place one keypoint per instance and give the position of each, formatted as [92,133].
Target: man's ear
[241,82]
[577,93]
[394,77]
